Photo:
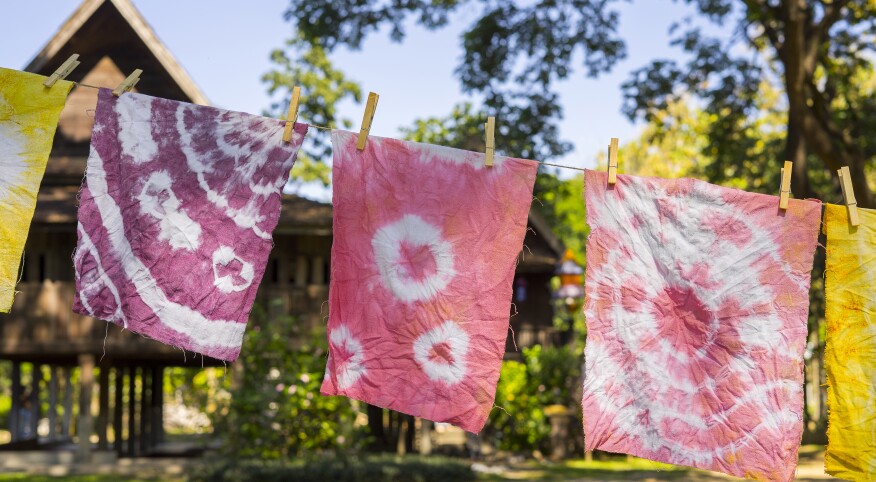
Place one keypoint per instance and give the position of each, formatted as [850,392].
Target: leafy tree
[818,51]
[306,64]
[514,52]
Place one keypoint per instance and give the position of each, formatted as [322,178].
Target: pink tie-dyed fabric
[176,217]
[697,301]
[426,240]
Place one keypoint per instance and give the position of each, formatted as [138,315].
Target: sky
[225,47]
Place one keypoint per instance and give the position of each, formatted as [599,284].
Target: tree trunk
[793,58]
[375,426]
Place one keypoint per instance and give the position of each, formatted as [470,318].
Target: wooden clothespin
[490,138]
[370,107]
[849,195]
[128,83]
[292,116]
[63,71]
[785,189]
[612,162]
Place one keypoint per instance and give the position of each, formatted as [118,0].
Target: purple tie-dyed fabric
[176,216]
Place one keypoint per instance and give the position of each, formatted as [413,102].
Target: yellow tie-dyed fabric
[29,114]
[850,354]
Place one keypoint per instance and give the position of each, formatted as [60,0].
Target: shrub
[547,376]
[276,409]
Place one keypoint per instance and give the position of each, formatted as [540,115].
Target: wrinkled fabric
[29,114]
[426,240]
[850,350]
[696,304]
[176,216]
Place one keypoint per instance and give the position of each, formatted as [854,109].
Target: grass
[614,468]
[603,467]
[79,478]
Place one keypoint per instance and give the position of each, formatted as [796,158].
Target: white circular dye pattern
[13,161]
[158,200]
[350,368]
[415,232]
[228,282]
[441,353]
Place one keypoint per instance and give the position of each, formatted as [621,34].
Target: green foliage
[547,376]
[204,390]
[513,52]
[276,410]
[816,55]
[561,202]
[348,469]
[462,129]
[305,63]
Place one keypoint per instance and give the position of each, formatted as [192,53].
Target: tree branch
[767,15]
[832,14]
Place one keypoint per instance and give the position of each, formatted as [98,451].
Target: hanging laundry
[426,240]
[29,114]
[696,304]
[850,352]
[176,216]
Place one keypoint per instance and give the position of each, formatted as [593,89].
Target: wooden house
[119,406]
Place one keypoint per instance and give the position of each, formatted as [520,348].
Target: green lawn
[603,467]
[80,478]
[612,467]
[616,468]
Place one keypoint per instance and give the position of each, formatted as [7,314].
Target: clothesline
[330,129]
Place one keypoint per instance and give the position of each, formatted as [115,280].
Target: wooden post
[85,426]
[68,403]
[54,373]
[132,407]
[317,271]
[145,398]
[300,271]
[156,408]
[15,412]
[425,436]
[36,376]
[400,446]
[118,406]
[103,410]
[160,422]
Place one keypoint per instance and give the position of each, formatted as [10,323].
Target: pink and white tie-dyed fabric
[176,216]
[426,240]
[697,298]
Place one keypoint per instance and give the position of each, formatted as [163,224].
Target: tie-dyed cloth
[176,217]
[850,353]
[426,240]
[28,117]
[696,304]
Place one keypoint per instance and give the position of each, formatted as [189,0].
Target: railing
[42,322]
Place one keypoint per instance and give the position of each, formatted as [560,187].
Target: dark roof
[303,216]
